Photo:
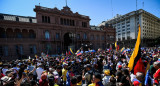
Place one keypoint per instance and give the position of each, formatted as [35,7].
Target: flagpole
[66,3]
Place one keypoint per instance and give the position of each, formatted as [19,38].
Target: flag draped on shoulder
[135,63]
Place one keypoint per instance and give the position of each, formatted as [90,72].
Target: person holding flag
[135,63]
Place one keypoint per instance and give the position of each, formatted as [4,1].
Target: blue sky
[97,10]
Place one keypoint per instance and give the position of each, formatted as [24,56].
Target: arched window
[47,35]
[32,34]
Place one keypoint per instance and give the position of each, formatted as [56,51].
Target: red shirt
[2,75]
[43,83]
[157,76]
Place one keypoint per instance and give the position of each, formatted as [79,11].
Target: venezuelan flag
[123,50]
[135,63]
[79,53]
[116,46]
[71,52]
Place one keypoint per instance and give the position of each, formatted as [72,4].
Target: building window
[73,23]
[3,50]
[57,36]
[65,22]
[102,37]
[48,48]
[70,22]
[43,19]
[3,34]
[48,19]
[84,36]
[97,37]
[19,35]
[84,24]
[33,49]
[58,49]
[123,26]
[61,21]
[19,49]
[32,35]
[47,35]
[78,36]
[92,37]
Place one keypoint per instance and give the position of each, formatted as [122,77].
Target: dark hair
[98,76]
[69,68]
[79,78]
[59,67]
[73,80]
[33,82]
[125,71]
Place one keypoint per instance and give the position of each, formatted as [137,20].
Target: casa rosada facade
[52,31]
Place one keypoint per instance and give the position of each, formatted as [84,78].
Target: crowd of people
[101,68]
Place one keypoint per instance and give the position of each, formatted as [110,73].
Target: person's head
[156,65]
[79,78]
[30,75]
[22,66]
[65,66]
[140,76]
[29,64]
[125,71]
[33,83]
[69,68]
[88,67]
[74,81]
[112,80]
[40,65]
[119,67]
[5,65]
[43,77]
[97,77]
[59,68]
[51,70]
[14,65]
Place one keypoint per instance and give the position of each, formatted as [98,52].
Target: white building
[127,25]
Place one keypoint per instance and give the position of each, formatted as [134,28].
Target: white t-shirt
[106,79]
[39,71]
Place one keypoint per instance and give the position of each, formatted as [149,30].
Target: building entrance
[68,41]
